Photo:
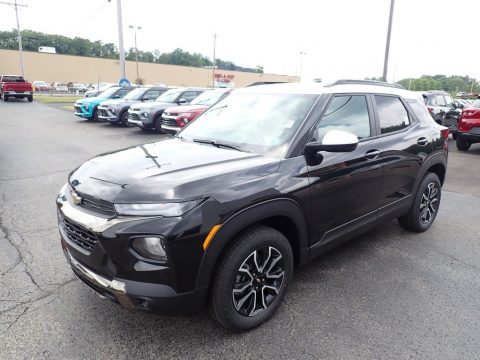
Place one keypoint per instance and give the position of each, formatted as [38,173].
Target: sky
[340,38]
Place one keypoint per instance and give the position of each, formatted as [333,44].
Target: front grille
[133,116]
[102,112]
[97,205]
[170,122]
[79,235]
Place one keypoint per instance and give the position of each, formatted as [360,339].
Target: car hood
[166,170]
[91,99]
[187,108]
[151,105]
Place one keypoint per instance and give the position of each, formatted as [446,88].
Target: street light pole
[20,48]
[387,47]
[136,49]
[213,65]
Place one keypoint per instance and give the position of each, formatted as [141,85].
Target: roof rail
[364,82]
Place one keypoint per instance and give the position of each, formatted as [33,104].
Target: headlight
[151,247]
[164,209]
[182,115]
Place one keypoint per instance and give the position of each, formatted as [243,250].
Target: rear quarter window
[420,112]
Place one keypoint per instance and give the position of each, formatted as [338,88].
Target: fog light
[145,115]
[150,247]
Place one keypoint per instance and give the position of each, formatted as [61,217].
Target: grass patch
[57,99]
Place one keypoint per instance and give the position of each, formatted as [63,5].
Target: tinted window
[448,100]
[153,94]
[348,113]
[393,115]
[123,92]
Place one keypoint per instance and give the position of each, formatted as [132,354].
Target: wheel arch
[285,215]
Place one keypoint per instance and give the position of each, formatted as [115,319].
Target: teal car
[87,107]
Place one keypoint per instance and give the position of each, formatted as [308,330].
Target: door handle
[422,141]
[372,154]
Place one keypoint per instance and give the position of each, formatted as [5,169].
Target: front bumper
[107,114]
[116,273]
[82,111]
[171,129]
[136,118]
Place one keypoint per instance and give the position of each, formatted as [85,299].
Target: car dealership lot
[388,294]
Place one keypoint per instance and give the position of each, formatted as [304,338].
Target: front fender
[249,216]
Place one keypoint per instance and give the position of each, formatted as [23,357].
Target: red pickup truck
[15,86]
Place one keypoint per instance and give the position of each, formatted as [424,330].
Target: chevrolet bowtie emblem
[77,200]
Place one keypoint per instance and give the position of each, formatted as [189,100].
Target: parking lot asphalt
[388,294]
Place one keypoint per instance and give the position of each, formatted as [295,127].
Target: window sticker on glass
[289,124]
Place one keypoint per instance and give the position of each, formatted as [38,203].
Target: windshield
[259,123]
[476,104]
[207,98]
[135,94]
[169,96]
[13,79]
[109,92]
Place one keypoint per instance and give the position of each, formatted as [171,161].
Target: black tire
[5,98]
[462,143]
[454,136]
[237,274]
[157,124]
[124,119]
[30,98]
[94,115]
[425,205]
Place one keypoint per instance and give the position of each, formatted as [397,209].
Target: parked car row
[150,108]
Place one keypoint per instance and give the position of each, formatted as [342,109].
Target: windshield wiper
[218,144]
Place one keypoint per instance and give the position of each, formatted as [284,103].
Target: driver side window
[348,113]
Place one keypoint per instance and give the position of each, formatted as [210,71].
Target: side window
[189,95]
[420,112]
[440,100]
[393,115]
[348,113]
[151,94]
[123,92]
[448,101]
[430,101]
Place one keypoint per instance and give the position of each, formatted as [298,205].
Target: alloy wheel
[429,203]
[258,281]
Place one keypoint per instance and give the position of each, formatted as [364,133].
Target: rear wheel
[30,98]
[454,136]
[5,98]
[252,278]
[462,143]
[425,205]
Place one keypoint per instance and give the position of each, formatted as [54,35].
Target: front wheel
[425,205]
[157,125]
[462,143]
[252,278]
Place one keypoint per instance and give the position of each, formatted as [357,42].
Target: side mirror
[116,96]
[333,141]
[182,101]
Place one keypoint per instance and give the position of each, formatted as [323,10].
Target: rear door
[405,146]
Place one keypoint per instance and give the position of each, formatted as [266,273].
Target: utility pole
[213,66]
[136,49]
[120,39]
[20,49]
[387,47]
[302,54]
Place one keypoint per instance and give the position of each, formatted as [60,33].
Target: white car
[60,87]
[80,87]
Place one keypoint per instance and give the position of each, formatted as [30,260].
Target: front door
[345,187]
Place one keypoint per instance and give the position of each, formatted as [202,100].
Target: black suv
[444,110]
[265,180]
